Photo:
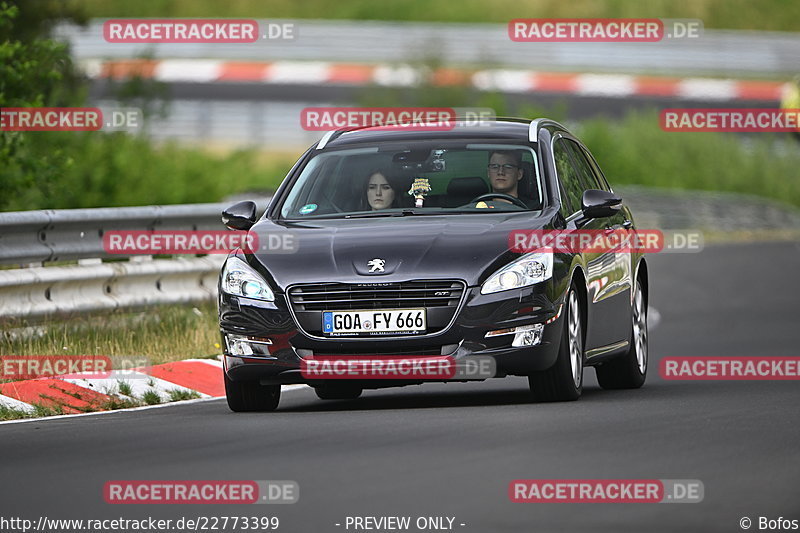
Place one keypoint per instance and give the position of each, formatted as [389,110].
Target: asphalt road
[451,450]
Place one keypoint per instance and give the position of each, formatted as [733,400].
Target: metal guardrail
[68,234]
[36,292]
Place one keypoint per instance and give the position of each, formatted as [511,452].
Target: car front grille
[440,298]
[367,296]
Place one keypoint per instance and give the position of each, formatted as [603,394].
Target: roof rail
[537,124]
[533,131]
[329,135]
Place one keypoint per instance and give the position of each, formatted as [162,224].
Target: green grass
[124,388]
[161,334]
[636,151]
[779,15]
[151,397]
[176,395]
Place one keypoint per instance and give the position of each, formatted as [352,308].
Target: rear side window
[597,171]
[587,176]
[568,176]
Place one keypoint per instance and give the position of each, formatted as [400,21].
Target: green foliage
[33,72]
[95,169]
[49,170]
[636,151]
[778,15]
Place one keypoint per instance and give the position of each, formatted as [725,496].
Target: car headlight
[527,270]
[239,279]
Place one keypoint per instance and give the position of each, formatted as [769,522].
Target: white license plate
[375,322]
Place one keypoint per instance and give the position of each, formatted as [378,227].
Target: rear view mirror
[240,216]
[600,204]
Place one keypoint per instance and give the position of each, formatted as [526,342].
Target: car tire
[244,396]
[337,392]
[630,370]
[563,382]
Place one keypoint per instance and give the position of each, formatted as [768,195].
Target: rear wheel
[564,380]
[246,396]
[630,370]
[338,392]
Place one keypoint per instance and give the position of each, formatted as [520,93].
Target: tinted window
[444,177]
[586,174]
[568,176]
[597,171]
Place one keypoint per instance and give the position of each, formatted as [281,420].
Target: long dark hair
[399,184]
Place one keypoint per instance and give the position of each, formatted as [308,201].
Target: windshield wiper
[403,213]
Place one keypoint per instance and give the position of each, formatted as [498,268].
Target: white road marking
[285,388]
[193,70]
[707,89]
[605,85]
[13,403]
[298,72]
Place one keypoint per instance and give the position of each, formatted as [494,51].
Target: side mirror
[600,204]
[240,216]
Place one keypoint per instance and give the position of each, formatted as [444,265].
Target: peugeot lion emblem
[376,265]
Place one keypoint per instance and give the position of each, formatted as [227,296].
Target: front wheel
[563,382]
[244,396]
[630,370]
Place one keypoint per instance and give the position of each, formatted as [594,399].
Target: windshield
[419,179]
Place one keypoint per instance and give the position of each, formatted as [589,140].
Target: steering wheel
[514,200]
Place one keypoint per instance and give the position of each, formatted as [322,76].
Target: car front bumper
[279,345]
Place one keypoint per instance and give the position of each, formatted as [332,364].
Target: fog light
[244,345]
[528,335]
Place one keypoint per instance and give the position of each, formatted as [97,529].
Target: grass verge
[161,334]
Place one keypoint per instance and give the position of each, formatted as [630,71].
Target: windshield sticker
[308,208]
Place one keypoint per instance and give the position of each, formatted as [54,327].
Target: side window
[588,178]
[568,177]
[597,171]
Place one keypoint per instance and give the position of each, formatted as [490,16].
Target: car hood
[467,247]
